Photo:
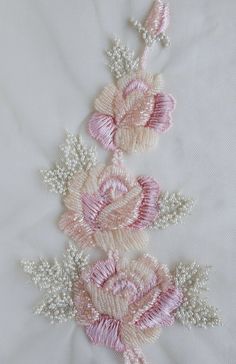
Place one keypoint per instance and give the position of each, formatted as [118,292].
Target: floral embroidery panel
[121,302]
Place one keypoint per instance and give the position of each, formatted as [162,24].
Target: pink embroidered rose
[130,116]
[124,305]
[107,207]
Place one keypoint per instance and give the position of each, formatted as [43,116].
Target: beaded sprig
[122,303]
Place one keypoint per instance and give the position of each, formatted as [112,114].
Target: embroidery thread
[121,303]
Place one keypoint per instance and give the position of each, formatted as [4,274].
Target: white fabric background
[52,66]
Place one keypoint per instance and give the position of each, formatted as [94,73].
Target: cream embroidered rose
[131,114]
[123,305]
[107,207]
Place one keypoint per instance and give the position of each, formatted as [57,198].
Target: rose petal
[133,336]
[139,109]
[85,311]
[100,272]
[102,128]
[140,75]
[91,184]
[148,209]
[106,332]
[73,198]
[142,305]
[104,103]
[120,107]
[114,172]
[76,229]
[107,303]
[92,205]
[143,269]
[135,139]
[135,85]
[122,212]
[160,314]
[121,239]
[161,119]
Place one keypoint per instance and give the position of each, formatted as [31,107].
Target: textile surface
[52,67]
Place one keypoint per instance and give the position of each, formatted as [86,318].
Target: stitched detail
[192,279]
[129,300]
[133,105]
[118,201]
[173,207]
[121,303]
[56,279]
[74,157]
[121,60]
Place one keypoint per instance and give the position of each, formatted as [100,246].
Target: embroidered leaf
[153,30]
[173,207]
[74,157]
[56,279]
[121,60]
[194,310]
[45,275]
[58,307]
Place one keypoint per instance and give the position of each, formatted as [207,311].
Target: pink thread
[102,128]
[113,187]
[118,202]
[134,105]
[158,18]
[160,313]
[135,85]
[72,225]
[161,119]
[143,59]
[106,332]
[148,209]
[92,205]
[101,271]
[131,292]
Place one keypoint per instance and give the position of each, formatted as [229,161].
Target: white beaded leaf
[58,307]
[74,157]
[56,279]
[194,310]
[173,207]
[121,60]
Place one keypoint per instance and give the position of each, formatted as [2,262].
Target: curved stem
[144,56]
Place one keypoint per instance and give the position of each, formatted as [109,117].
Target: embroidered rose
[131,115]
[123,305]
[107,207]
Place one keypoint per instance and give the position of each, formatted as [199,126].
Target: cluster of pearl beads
[57,280]
[194,310]
[74,157]
[148,37]
[173,207]
[121,60]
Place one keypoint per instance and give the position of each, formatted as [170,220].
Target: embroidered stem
[134,356]
[143,58]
